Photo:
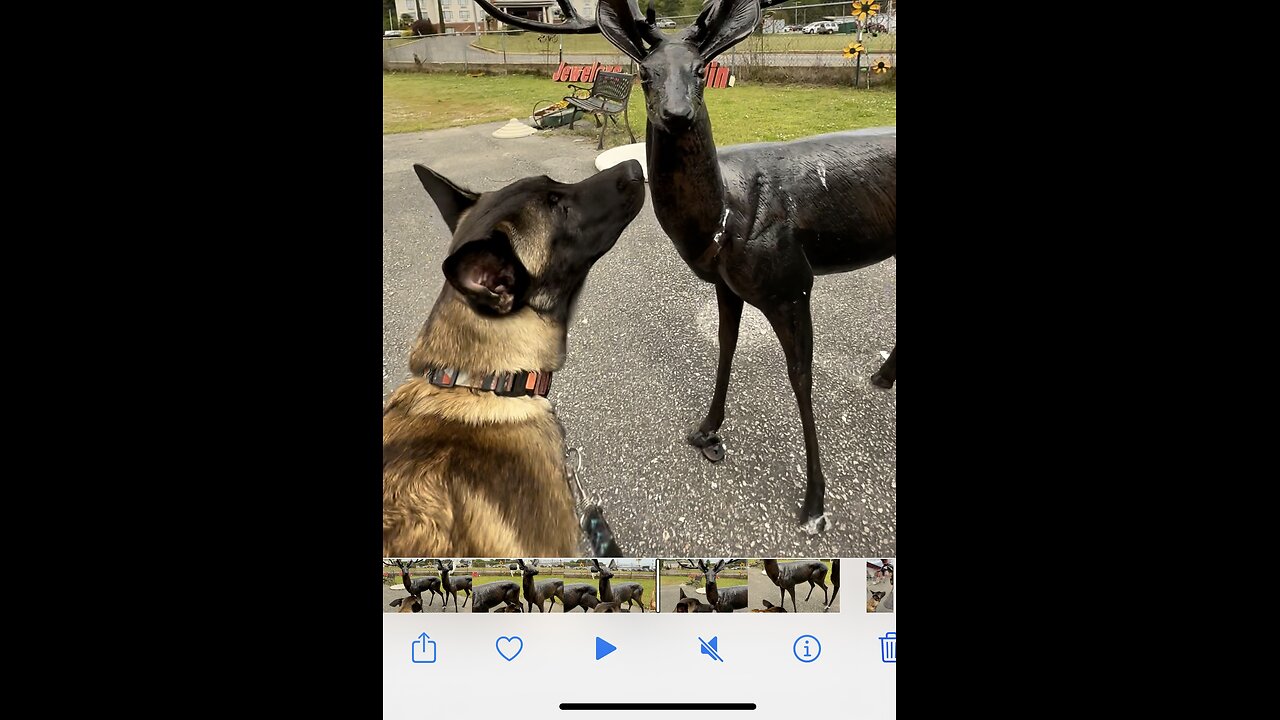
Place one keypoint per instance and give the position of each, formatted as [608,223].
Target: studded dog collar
[502,384]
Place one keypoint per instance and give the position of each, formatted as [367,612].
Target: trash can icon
[889,647]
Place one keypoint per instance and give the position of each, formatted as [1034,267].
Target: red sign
[717,75]
[581,73]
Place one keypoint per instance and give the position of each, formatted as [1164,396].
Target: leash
[591,515]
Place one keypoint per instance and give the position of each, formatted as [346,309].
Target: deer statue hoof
[813,526]
[710,443]
[881,381]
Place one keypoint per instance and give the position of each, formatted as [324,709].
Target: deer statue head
[528,570]
[670,65]
[604,572]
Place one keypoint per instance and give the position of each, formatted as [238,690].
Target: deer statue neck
[606,590]
[686,185]
[528,586]
[408,582]
[713,593]
[771,569]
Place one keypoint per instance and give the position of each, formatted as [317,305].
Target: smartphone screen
[639,359]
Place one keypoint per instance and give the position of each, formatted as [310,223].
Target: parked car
[792,28]
[391,33]
[666,23]
[822,27]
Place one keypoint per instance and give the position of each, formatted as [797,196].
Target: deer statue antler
[575,24]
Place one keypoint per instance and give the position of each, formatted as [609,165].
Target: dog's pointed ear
[450,199]
[488,274]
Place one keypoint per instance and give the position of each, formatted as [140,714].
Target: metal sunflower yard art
[853,51]
[864,10]
[880,67]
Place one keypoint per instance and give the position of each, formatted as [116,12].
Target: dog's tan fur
[449,453]
[469,473]
[409,604]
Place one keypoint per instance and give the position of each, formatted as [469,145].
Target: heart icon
[509,647]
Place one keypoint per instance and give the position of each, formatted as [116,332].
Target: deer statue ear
[617,20]
[488,274]
[723,24]
[450,199]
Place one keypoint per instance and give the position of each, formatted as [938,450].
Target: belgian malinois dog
[473,459]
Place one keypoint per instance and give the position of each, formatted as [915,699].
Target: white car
[822,27]
[666,23]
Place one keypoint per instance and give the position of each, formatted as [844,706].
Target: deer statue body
[491,595]
[450,586]
[625,592]
[757,221]
[580,595]
[536,594]
[835,583]
[417,586]
[726,600]
[788,575]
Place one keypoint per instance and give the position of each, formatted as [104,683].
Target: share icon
[710,648]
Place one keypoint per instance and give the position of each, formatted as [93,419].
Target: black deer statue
[451,586]
[580,595]
[758,221]
[536,594]
[788,575]
[417,586]
[726,600]
[835,583]
[623,592]
[491,595]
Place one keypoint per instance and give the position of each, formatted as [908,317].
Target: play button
[603,647]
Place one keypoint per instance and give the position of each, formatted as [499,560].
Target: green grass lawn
[721,580]
[412,102]
[591,44]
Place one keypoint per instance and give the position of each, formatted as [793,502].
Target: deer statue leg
[888,372]
[812,587]
[793,325]
[705,436]
[792,590]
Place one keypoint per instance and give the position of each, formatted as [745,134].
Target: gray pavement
[641,366]
[762,588]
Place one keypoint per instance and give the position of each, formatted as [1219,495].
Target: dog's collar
[503,384]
